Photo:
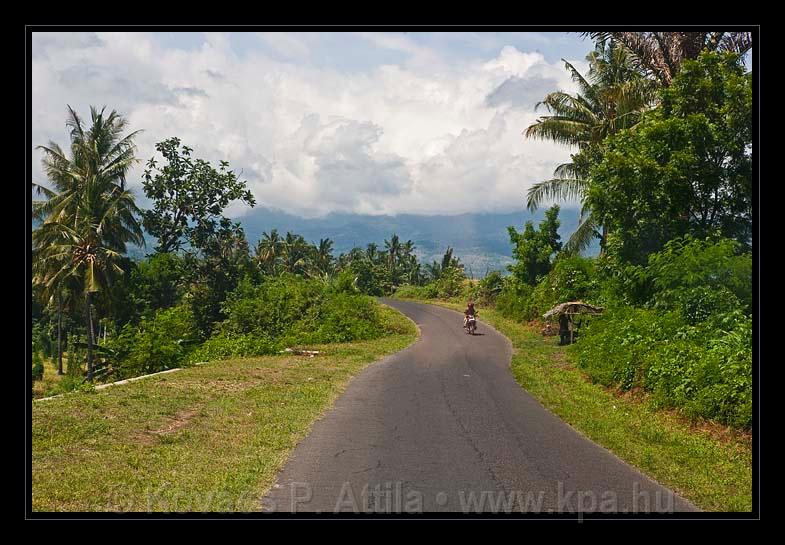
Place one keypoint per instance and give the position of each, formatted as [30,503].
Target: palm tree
[323,257]
[89,216]
[99,152]
[659,55]
[294,253]
[82,255]
[393,249]
[613,97]
[268,251]
[371,252]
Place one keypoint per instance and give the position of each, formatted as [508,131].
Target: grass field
[709,464]
[207,438]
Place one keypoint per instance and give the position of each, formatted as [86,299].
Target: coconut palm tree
[89,216]
[79,255]
[371,252]
[99,152]
[393,248]
[268,251]
[659,55]
[294,253]
[323,257]
[612,97]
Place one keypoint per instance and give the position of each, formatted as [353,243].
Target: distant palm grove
[661,133]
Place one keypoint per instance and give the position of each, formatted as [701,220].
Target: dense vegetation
[203,293]
[668,191]
[662,169]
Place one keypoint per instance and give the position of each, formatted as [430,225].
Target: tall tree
[660,55]
[268,251]
[613,96]
[533,249]
[89,216]
[189,197]
[687,168]
[323,257]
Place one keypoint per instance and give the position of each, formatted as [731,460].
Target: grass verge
[709,464]
[207,438]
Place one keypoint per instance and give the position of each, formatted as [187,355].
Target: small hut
[569,310]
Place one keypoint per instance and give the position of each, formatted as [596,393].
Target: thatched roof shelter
[573,307]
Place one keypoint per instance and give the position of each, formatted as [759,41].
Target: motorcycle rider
[468,312]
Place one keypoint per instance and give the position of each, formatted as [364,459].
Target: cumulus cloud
[431,133]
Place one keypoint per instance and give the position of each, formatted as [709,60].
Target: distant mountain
[481,241]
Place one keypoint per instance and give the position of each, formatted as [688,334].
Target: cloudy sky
[372,123]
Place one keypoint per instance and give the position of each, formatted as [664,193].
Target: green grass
[709,464]
[207,438]
[48,384]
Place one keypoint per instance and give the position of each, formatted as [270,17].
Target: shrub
[38,364]
[514,299]
[407,291]
[76,355]
[271,308]
[288,310]
[701,276]
[226,345]
[450,283]
[340,317]
[705,369]
[157,343]
[344,283]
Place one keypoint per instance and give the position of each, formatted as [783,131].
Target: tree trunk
[59,333]
[603,240]
[90,337]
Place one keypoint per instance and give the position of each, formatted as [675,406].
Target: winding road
[442,426]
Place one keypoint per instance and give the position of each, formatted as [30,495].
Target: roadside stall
[568,314]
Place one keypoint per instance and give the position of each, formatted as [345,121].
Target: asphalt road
[443,426]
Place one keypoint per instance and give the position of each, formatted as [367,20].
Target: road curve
[443,426]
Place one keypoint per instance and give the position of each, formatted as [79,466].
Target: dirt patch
[172,425]
[560,361]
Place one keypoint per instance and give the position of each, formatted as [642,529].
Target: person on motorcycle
[468,312]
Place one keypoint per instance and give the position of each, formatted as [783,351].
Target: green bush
[340,317]
[705,370]
[514,300]
[287,311]
[490,286]
[67,383]
[226,345]
[271,309]
[450,283]
[407,291]
[76,355]
[157,343]
[344,283]
[701,277]
[38,364]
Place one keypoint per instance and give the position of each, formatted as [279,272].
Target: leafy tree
[687,168]
[612,97]
[189,197]
[660,55]
[225,260]
[157,282]
[533,249]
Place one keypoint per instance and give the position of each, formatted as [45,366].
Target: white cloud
[430,134]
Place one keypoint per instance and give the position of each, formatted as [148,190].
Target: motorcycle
[471,325]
